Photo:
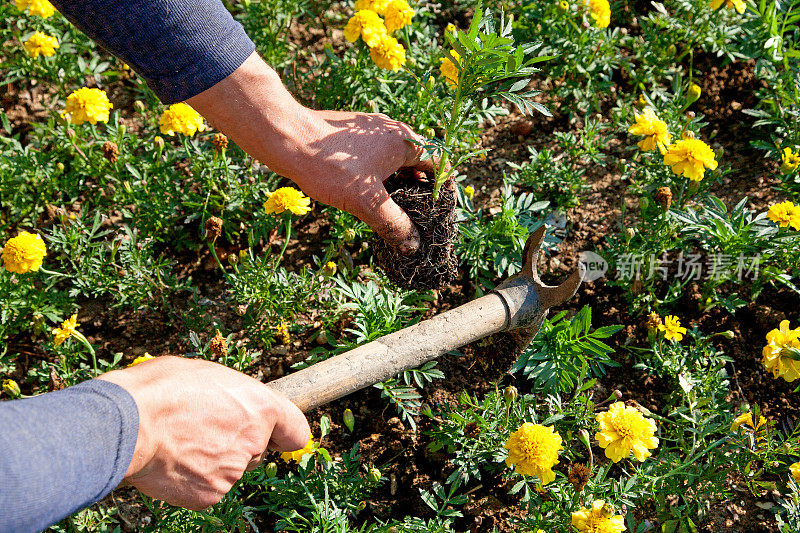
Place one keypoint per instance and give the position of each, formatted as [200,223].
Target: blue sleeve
[180,47]
[62,451]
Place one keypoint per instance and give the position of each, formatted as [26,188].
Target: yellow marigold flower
[329,269]
[388,54]
[367,25]
[287,198]
[24,253]
[87,105]
[11,388]
[68,329]
[746,419]
[533,451]
[653,128]
[624,430]
[43,8]
[41,44]
[282,332]
[449,70]
[795,470]
[690,157]
[141,359]
[672,328]
[397,15]
[777,355]
[378,6]
[789,160]
[785,214]
[738,5]
[450,28]
[600,12]
[598,519]
[181,118]
[298,455]
[469,191]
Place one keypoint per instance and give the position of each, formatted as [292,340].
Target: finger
[255,461]
[415,154]
[391,222]
[291,431]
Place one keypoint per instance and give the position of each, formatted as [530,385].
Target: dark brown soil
[433,265]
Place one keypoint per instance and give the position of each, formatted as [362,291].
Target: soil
[433,265]
[384,440]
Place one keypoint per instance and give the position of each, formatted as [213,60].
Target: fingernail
[409,245]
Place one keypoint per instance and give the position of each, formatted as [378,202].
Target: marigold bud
[213,228]
[469,191]
[510,393]
[693,93]
[617,394]
[271,470]
[644,203]
[641,103]
[583,436]
[727,334]
[607,511]
[110,151]
[563,5]
[663,197]
[220,142]
[158,142]
[138,105]
[60,167]
[374,474]
[690,115]
[329,269]
[233,259]
[671,49]
[349,420]
[349,235]
[219,346]
[430,133]
[687,135]
[630,233]
[121,130]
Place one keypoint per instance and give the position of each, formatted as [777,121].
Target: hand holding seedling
[201,425]
[339,158]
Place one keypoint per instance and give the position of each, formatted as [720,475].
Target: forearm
[62,451]
[258,113]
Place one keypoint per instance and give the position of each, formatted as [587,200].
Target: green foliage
[566,352]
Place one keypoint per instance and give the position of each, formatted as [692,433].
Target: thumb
[391,222]
[291,430]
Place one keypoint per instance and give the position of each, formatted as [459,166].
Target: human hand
[201,425]
[339,158]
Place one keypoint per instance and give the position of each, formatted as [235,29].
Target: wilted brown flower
[110,151]
[579,475]
[653,321]
[213,228]
[663,197]
[472,430]
[219,346]
[220,142]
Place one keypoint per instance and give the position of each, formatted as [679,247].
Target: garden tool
[517,306]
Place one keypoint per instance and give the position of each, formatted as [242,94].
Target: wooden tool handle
[383,358]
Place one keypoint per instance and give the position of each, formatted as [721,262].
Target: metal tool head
[527,299]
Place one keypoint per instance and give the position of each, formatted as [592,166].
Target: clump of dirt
[433,265]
